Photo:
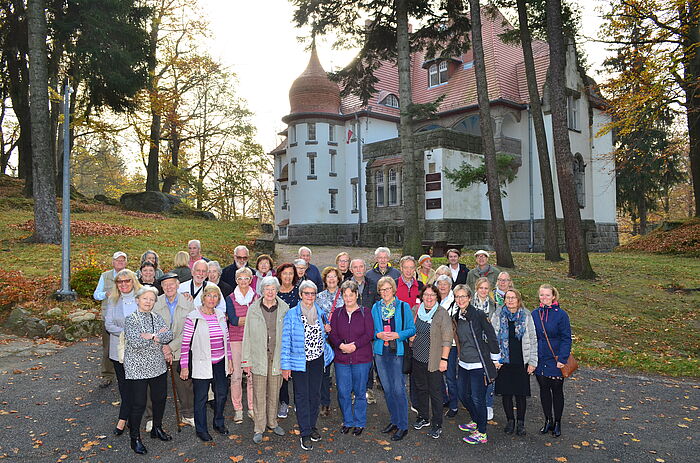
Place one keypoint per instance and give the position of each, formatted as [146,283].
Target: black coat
[228,275]
[486,340]
[461,275]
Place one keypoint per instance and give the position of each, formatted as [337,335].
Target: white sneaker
[149,425]
[188,421]
[283,411]
[489,413]
[238,416]
[251,414]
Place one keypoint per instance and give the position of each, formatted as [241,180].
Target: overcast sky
[259,42]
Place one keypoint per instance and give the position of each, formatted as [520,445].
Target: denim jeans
[352,378]
[471,386]
[219,383]
[389,369]
[307,395]
[450,396]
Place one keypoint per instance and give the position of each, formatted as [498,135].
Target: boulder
[84,329]
[57,332]
[17,318]
[55,312]
[33,328]
[149,201]
[183,210]
[81,316]
[106,200]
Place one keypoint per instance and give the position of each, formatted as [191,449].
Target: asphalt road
[52,410]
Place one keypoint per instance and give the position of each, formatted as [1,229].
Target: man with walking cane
[174,307]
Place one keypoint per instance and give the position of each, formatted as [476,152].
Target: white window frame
[293,170]
[393,187]
[433,78]
[334,201]
[333,156]
[379,188]
[293,133]
[312,165]
[573,112]
[391,101]
[442,72]
[355,199]
[311,131]
[331,132]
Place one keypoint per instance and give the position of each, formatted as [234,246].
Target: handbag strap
[556,357]
[335,301]
[192,338]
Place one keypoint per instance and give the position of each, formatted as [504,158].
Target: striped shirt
[216,338]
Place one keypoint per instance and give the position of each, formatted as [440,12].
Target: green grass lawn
[625,319]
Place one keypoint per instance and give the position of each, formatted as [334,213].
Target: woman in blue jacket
[304,355]
[393,324]
[553,350]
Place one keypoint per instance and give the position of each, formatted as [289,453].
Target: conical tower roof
[313,91]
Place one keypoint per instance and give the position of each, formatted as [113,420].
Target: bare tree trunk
[551,245]
[46,225]
[413,169]
[642,208]
[504,257]
[579,263]
[691,74]
[153,167]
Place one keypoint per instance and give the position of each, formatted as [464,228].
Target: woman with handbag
[206,354]
[431,347]
[330,299]
[518,343]
[553,352]
[477,353]
[393,325]
[120,304]
[145,334]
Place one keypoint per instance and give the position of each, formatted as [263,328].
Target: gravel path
[52,410]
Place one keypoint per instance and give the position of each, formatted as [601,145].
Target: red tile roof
[505,73]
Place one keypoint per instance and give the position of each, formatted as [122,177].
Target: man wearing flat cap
[482,269]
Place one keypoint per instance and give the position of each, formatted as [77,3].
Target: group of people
[456,334]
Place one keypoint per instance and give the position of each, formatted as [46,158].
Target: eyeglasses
[511,298]
[461,297]
[343,261]
[243,278]
[121,282]
[381,290]
[308,293]
[241,257]
[504,279]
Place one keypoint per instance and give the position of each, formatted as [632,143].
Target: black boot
[137,446]
[510,427]
[158,433]
[520,429]
[548,426]
[556,429]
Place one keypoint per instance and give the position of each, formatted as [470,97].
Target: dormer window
[391,101]
[437,74]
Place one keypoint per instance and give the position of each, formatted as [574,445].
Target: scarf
[449,303]
[485,272]
[481,305]
[241,299]
[388,310]
[499,297]
[503,332]
[426,316]
[310,313]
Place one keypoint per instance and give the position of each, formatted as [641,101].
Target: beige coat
[182,309]
[200,353]
[254,353]
[441,335]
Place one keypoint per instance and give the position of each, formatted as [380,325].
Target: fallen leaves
[87,228]
[237,458]
[562,459]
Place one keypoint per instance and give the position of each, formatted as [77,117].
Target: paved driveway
[52,410]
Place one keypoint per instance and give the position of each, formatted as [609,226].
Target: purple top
[358,328]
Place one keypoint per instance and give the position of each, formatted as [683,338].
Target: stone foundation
[600,237]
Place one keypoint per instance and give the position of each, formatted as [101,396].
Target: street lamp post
[66,293]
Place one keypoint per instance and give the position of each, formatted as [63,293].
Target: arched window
[579,168]
[393,188]
[379,180]
[391,100]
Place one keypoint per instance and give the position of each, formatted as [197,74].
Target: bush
[84,281]
[15,288]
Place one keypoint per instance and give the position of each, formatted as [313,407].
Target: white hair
[443,278]
[146,289]
[307,284]
[304,248]
[240,247]
[200,262]
[196,242]
[270,281]
[300,263]
[364,264]
[214,265]
[244,270]
[382,249]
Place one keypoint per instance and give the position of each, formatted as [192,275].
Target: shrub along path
[52,410]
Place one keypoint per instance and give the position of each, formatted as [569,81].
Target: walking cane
[177,405]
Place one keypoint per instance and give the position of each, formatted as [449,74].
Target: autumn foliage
[86,228]
[16,288]
[685,239]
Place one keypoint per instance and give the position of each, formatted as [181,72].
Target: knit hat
[423,258]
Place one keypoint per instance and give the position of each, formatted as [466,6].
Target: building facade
[339,172]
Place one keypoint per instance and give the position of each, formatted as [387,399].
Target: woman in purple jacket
[553,350]
[352,331]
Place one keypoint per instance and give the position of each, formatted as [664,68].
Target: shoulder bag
[407,349]
[189,358]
